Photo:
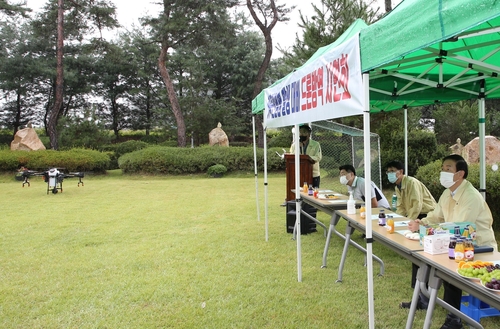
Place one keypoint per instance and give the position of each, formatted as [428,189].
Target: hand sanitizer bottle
[351,205]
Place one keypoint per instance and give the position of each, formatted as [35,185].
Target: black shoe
[452,322]
[420,305]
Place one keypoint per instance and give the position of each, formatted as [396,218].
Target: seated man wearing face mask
[413,198]
[356,185]
[460,202]
[413,201]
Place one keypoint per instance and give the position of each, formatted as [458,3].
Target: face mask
[303,139]
[446,179]
[343,180]
[392,177]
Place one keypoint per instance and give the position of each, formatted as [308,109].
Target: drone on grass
[53,177]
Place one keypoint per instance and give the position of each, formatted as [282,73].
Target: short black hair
[305,127]
[348,168]
[460,163]
[395,164]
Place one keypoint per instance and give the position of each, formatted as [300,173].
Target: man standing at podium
[311,148]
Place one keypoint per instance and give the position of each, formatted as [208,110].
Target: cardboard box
[467,229]
[437,244]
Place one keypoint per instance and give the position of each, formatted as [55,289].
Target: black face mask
[303,138]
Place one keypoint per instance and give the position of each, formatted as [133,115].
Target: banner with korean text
[329,87]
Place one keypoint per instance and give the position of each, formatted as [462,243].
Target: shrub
[216,170]
[71,160]
[129,146]
[174,160]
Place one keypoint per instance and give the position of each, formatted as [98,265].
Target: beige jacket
[414,198]
[467,205]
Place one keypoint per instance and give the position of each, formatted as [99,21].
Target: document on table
[401,224]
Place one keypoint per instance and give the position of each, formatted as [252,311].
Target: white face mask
[344,180]
[446,179]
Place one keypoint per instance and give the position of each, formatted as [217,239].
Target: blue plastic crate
[476,309]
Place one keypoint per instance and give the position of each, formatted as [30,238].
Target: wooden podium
[306,166]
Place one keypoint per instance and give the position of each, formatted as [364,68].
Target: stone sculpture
[27,140]
[470,151]
[457,148]
[218,137]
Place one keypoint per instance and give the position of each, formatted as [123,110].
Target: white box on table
[437,244]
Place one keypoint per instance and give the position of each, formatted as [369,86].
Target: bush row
[429,175]
[72,160]
[172,160]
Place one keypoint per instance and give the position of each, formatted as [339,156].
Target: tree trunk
[17,122]
[388,6]
[54,115]
[266,30]
[174,102]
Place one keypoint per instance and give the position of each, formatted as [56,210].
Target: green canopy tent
[426,52]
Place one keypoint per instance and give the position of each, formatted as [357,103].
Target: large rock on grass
[26,140]
[470,151]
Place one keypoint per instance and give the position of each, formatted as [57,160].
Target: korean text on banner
[329,87]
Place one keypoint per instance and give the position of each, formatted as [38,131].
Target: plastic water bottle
[351,205]
[394,204]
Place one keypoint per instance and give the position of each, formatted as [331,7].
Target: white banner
[330,87]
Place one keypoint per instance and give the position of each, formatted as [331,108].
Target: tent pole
[482,146]
[369,239]
[406,140]
[266,215]
[298,204]
[255,168]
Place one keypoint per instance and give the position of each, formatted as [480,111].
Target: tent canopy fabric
[426,52]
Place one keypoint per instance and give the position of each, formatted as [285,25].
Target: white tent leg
[369,240]
[482,146]
[255,169]
[265,186]
[298,204]
[406,140]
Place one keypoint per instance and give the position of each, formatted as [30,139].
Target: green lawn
[179,252]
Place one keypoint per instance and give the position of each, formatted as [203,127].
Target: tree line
[182,71]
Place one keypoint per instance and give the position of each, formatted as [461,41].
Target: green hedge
[72,160]
[173,160]
[429,175]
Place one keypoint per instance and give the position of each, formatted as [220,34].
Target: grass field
[180,252]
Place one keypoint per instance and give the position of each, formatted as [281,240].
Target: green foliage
[217,169]
[329,21]
[456,120]
[172,160]
[281,138]
[82,132]
[429,175]
[5,138]
[129,146]
[71,160]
